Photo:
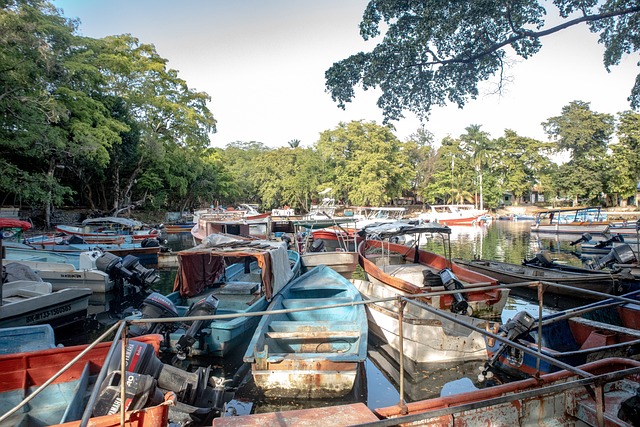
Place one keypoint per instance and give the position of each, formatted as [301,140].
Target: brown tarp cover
[204,267]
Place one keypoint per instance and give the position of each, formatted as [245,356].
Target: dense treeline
[104,124]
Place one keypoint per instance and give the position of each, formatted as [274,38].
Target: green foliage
[368,163]
[433,53]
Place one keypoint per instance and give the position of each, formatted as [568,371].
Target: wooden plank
[336,416]
[313,334]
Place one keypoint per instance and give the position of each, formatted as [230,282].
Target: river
[509,241]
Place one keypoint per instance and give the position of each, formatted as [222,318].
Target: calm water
[509,241]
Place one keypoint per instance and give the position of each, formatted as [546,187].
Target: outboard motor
[515,328]
[205,307]
[622,254]
[155,306]
[542,258]
[616,238]
[141,391]
[584,238]
[191,388]
[451,283]
[128,268]
[317,246]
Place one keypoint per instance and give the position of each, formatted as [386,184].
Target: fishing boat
[582,278]
[561,398]
[312,353]
[64,400]
[426,337]
[110,230]
[565,337]
[572,220]
[453,214]
[243,275]
[412,270]
[20,339]
[28,302]
[233,223]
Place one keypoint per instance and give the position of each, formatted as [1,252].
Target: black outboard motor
[622,254]
[317,246]
[191,388]
[451,283]
[155,306]
[542,258]
[616,238]
[205,307]
[141,391]
[515,328]
[127,268]
[584,238]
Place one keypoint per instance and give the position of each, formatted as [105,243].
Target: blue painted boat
[243,275]
[310,353]
[22,339]
[571,340]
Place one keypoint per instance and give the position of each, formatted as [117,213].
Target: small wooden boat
[552,399]
[244,275]
[580,278]
[413,270]
[314,353]
[33,303]
[63,401]
[573,341]
[573,220]
[427,337]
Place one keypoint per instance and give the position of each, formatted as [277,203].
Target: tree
[584,135]
[480,145]
[520,163]
[433,53]
[625,160]
[368,162]
[452,180]
[420,151]
[294,143]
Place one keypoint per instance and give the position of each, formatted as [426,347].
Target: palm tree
[479,143]
[294,143]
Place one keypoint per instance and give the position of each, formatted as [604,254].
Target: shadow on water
[378,381]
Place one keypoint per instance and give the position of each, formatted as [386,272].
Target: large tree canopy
[437,52]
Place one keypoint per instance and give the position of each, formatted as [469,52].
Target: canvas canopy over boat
[412,270]
[573,220]
[311,353]
[243,275]
[110,230]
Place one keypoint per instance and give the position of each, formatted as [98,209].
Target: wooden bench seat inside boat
[339,329]
[239,288]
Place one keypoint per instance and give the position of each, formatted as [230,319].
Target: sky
[263,64]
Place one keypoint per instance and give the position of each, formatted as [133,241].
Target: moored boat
[453,214]
[581,278]
[243,275]
[573,220]
[312,353]
[413,270]
[427,337]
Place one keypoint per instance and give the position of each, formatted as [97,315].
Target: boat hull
[427,338]
[395,269]
[313,353]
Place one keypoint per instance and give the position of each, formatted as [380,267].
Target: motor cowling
[451,283]
[141,391]
[205,307]
[154,306]
[127,268]
[191,388]
[622,254]
[515,328]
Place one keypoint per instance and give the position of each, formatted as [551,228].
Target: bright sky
[263,64]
